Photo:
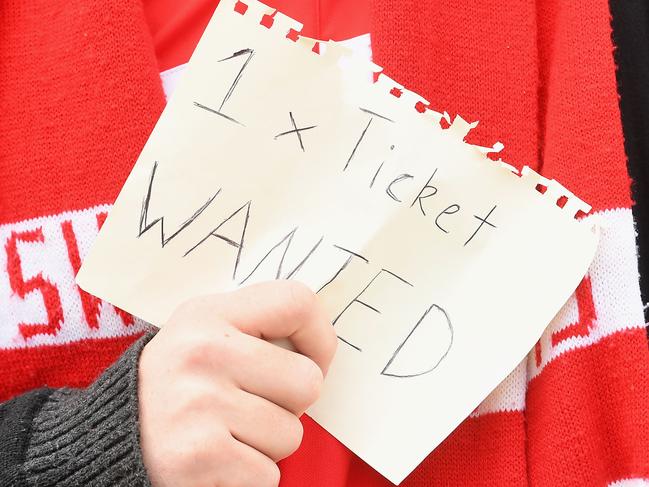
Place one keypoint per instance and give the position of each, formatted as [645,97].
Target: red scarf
[80,91]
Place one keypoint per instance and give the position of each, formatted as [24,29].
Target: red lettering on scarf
[22,287]
[581,328]
[587,315]
[90,304]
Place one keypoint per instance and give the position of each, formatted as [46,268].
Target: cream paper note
[439,267]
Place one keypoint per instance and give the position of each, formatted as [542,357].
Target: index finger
[280,309]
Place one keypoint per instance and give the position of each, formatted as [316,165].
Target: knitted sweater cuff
[91,436]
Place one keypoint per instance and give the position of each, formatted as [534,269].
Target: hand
[219,405]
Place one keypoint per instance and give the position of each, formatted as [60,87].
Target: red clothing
[176,27]
[79,94]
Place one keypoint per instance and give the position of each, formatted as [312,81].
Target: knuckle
[192,405]
[192,359]
[221,347]
[309,381]
[200,350]
[193,353]
[300,298]
[293,435]
[201,401]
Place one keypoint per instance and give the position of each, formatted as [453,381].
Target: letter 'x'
[295,131]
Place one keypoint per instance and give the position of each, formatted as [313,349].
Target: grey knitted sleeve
[90,437]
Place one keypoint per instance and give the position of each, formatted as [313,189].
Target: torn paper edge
[553,192]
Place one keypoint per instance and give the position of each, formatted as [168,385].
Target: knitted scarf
[80,91]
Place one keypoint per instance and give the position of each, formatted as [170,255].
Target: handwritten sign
[439,267]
